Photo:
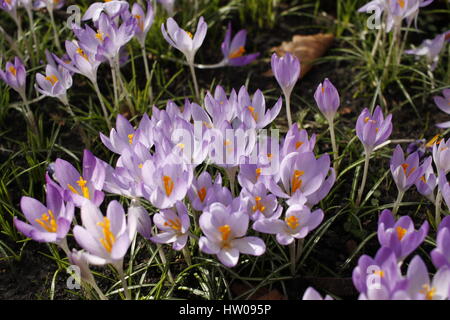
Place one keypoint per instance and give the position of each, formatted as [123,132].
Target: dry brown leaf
[306,48]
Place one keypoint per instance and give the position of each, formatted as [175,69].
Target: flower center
[108,239]
[130,138]
[292,222]
[401,3]
[82,184]
[432,141]
[400,232]
[47,221]
[13,70]
[379,273]
[99,36]
[298,144]
[258,206]
[423,179]
[237,53]
[225,231]
[53,79]
[252,111]
[428,292]
[367,119]
[168,185]
[190,34]
[258,172]
[202,194]
[296,181]
[140,22]
[174,224]
[82,53]
[405,167]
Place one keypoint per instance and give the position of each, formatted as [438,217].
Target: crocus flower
[122,137]
[46,223]
[113,8]
[400,236]
[444,188]
[327,99]
[77,187]
[168,5]
[184,40]
[10,6]
[443,103]
[441,156]
[419,285]
[286,70]
[373,129]
[144,21]
[431,48]
[203,190]
[261,204]
[174,224]
[15,75]
[253,111]
[105,238]
[54,83]
[298,222]
[379,278]
[297,141]
[441,254]
[224,229]
[405,172]
[234,49]
[49,4]
[312,294]
[428,181]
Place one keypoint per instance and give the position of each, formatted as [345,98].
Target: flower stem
[114,78]
[397,202]
[33,34]
[194,78]
[334,146]
[162,255]
[105,111]
[29,116]
[98,290]
[292,256]
[437,213]
[299,250]
[119,268]
[287,97]
[363,183]
[147,74]
[187,255]
[55,31]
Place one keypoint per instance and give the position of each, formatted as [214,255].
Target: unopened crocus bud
[286,70]
[327,99]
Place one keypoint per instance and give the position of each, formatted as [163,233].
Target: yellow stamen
[84,189]
[379,273]
[175,225]
[252,111]
[190,34]
[432,141]
[258,206]
[99,36]
[428,292]
[422,178]
[227,142]
[48,222]
[82,53]
[405,168]
[13,70]
[296,181]
[258,172]
[401,3]
[168,185]
[202,194]
[53,79]
[237,53]
[140,165]
[130,138]
[400,232]
[181,145]
[109,239]
[298,144]
[225,230]
[71,188]
[323,89]
[292,222]
[140,22]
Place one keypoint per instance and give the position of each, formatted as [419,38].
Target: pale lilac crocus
[47,223]
[168,5]
[297,223]
[233,50]
[297,141]
[112,8]
[186,42]
[15,76]
[312,294]
[122,137]
[431,48]
[443,103]
[287,71]
[428,181]
[328,101]
[202,191]
[253,111]
[54,83]
[144,21]
[261,203]
[372,130]
[224,229]
[406,172]
[81,188]
[174,225]
[441,156]
[441,254]
[10,6]
[400,235]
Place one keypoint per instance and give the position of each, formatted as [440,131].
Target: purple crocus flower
[183,40]
[253,111]
[260,203]
[49,4]
[298,222]
[373,129]
[327,99]
[203,190]
[297,141]
[312,294]
[105,238]
[286,70]
[234,49]
[122,137]
[443,103]
[168,5]
[10,6]
[81,188]
[113,8]
[441,156]
[54,83]
[419,285]
[428,181]
[144,21]
[431,48]
[379,278]
[46,223]
[444,188]
[400,236]
[174,225]
[441,254]
[224,229]
[405,172]
[15,75]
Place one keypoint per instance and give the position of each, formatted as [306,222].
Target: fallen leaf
[307,48]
